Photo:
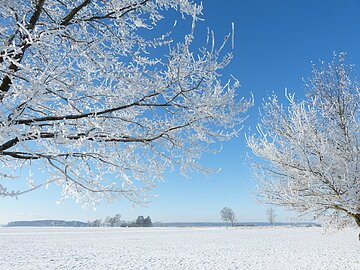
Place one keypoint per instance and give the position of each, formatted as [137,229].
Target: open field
[178,248]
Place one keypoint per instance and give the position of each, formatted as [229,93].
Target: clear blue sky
[275,42]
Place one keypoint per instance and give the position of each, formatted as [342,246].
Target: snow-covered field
[178,248]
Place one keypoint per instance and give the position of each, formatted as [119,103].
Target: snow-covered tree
[270,214]
[95,223]
[107,222]
[311,148]
[147,222]
[102,106]
[115,221]
[140,221]
[228,215]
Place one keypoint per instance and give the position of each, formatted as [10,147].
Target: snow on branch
[98,106]
[311,148]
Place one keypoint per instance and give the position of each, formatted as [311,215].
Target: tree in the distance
[95,223]
[107,222]
[115,221]
[147,222]
[140,221]
[96,105]
[311,148]
[228,215]
[270,214]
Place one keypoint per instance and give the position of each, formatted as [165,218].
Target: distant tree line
[116,221]
[47,223]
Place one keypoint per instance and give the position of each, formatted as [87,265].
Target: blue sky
[275,42]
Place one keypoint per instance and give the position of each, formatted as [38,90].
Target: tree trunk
[357,219]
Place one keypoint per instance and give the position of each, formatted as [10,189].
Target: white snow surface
[178,248]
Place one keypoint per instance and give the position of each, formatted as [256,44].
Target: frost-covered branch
[97,105]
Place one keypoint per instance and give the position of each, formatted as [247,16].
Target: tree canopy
[90,99]
[228,215]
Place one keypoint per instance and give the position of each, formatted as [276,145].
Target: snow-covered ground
[178,248]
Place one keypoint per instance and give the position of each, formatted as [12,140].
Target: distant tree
[147,222]
[140,221]
[228,215]
[95,223]
[107,222]
[311,147]
[115,221]
[270,213]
